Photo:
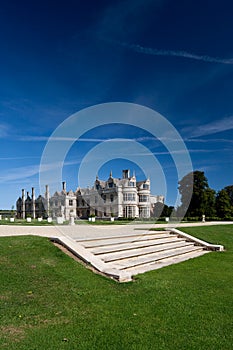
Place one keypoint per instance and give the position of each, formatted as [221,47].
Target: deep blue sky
[57,58]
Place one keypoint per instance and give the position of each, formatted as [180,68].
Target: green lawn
[23,222]
[49,301]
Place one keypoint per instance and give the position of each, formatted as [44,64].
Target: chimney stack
[33,204]
[47,195]
[63,186]
[23,204]
[47,191]
[125,174]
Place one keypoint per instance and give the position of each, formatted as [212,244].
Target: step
[121,240]
[143,251]
[138,244]
[135,270]
[135,261]
[122,235]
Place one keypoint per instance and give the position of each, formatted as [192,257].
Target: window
[111,197]
[129,212]
[70,201]
[145,186]
[143,198]
[110,184]
[144,212]
[129,197]
[131,184]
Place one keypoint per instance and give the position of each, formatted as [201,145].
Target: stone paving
[89,231]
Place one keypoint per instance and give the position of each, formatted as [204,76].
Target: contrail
[157,52]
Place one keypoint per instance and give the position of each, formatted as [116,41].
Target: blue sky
[56,59]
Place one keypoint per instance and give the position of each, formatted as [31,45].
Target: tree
[229,190]
[157,210]
[186,190]
[167,210]
[210,201]
[223,205]
[196,196]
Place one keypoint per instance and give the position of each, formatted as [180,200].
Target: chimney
[125,174]
[23,204]
[33,204]
[46,203]
[47,191]
[63,186]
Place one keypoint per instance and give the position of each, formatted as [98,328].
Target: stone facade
[121,198]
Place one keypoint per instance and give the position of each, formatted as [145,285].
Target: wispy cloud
[4,128]
[19,173]
[177,53]
[60,138]
[19,158]
[198,140]
[73,139]
[183,151]
[23,173]
[212,128]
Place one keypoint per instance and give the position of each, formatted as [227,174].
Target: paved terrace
[91,231]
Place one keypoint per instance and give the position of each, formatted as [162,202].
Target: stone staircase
[124,256]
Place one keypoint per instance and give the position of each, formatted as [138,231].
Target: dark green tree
[167,210]
[223,205]
[229,190]
[158,209]
[210,201]
[196,196]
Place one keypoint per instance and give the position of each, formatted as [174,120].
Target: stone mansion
[116,197]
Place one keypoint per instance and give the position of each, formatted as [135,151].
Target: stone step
[153,257]
[121,257]
[132,245]
[112,235]
[135,270]
[121,240]
[114,256]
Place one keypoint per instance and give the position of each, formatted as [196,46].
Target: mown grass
[23,222]
[49,301]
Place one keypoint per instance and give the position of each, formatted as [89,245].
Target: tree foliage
[158,209]
[210,202]
[199,199]
[196,196]
[229,190]
[223,204]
